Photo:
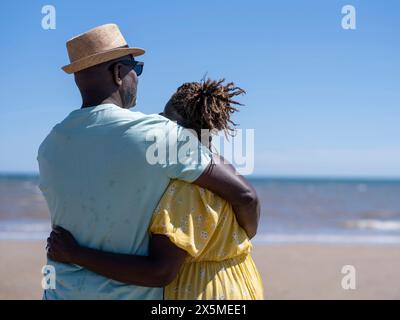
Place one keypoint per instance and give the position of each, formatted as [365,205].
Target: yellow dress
[218,265]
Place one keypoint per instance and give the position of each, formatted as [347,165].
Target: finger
[53,234]
[51,239]
[56,235]
[55,231]
[49,244]
[59,229]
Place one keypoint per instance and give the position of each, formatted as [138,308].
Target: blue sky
[323,101]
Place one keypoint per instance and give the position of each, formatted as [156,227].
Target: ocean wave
[40,229]
[24,229]
[373,224]
[325,239]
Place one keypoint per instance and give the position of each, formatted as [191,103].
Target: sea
[293,210]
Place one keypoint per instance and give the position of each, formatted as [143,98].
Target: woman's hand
[61,246]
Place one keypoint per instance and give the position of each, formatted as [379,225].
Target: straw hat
[98,45]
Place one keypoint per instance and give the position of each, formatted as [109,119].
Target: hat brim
[98,58]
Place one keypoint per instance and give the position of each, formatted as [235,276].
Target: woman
[198,250]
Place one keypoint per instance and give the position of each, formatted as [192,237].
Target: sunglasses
[137,66]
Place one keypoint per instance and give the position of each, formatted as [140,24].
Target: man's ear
[117,74]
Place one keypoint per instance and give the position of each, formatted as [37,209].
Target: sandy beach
[288,271]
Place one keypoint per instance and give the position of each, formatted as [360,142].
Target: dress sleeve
[188,215]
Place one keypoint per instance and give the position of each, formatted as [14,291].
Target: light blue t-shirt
[99,184]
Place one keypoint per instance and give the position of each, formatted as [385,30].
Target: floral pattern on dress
[218,249]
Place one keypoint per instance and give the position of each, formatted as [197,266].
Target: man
[95,173]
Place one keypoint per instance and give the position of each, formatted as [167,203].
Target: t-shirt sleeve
[185,217]
[186,157]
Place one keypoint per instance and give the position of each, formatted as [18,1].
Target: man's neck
[91,102]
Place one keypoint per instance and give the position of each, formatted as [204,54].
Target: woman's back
[218,265]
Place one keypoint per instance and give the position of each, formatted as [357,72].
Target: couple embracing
[125,227]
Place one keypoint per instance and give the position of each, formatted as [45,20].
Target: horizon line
[262,176]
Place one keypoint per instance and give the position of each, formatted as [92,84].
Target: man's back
[99,185]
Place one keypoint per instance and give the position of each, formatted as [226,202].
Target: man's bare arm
[221,178]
